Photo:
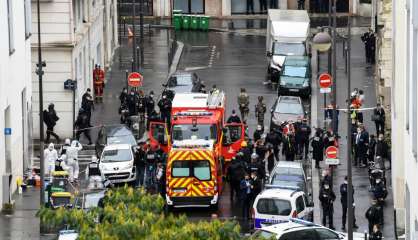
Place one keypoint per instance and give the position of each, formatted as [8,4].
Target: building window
[190,6]
[28,19]
[10,24]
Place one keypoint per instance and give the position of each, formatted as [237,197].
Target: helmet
[244,144]
[51,146]
[259,127]
[254,156]
[67,141]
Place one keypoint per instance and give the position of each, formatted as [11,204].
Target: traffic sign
[325,80]
[331,154]
[7,131]
[135,79]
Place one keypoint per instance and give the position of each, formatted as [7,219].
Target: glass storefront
[190,6]
[240,6]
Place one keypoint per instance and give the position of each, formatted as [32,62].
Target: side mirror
[269,54]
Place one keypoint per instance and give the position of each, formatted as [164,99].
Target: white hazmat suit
[72,159]
[50,155]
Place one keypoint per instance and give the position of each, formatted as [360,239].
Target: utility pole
[40,65]
[349,137]
[141,27]
[334,69]
[134,60]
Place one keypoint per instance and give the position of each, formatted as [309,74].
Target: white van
[274,206]
[117,163]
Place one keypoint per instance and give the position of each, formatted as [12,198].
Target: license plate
[294,90]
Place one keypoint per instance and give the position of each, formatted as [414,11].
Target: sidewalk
[362,78]
[23,224]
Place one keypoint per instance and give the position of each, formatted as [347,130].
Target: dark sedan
[116,134]
[183,82]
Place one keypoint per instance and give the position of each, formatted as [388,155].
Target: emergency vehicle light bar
[184,114]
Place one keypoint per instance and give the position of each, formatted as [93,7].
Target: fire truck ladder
[216,99]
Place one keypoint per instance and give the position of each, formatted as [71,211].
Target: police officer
[379,119]
[258,133]
[380,193]
[263,6]
[303,131]
[140,156]
[327,198]
[60,165]
[236,172]
[87,103]
[257,185]
[131,103]
[301,4]
[243,103]
[246,192]
[82,126]
[246,151]
[366,38]
[165,108]
[255,166]
[361,143]
[233,118]
[123,96]
[274,138]
[289,147]
[317,148]
[373,215]
[150,103]
[344,201]
[93,174]
[150,161]
[260,110]
[141,105]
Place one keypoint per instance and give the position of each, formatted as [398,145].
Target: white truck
[287,35]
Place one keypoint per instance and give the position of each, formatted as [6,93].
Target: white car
[276,205]
[296,229]
[117,163]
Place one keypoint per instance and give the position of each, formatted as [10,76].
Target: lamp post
[134,60]
[40,65]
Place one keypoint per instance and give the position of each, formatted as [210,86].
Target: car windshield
[293,71]
[289,108]
[289,171]
[180,80]
[116,155]
[297,49]
[288,184]
[126,139]
[271,206]
[198,169]
[186,131]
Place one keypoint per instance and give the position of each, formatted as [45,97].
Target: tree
[134,214]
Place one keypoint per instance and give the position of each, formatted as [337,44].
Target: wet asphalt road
[230,61]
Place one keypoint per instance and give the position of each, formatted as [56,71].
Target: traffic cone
[130,33]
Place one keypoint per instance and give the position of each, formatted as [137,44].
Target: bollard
[365,235]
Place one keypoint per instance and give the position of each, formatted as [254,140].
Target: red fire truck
[199,118]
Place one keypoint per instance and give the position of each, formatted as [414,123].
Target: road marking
[195,68]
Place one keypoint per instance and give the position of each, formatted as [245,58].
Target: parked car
[117,163]
[295,229]
[290,175]
[182,82]
[108,135]
[295,78]
[276,205]
[286,108]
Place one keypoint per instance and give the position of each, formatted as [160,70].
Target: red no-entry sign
[325,80]
[135,79]
[331,152]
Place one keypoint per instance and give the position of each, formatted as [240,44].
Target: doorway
[125,7]
[190,6]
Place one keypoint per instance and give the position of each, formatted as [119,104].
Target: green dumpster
[194,24]
[177,19]
[186,22]
[204,23]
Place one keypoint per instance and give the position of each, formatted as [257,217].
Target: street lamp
[322,42]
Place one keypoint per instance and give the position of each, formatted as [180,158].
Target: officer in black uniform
[140,156]
[93,174]
[327,198]
[303,131]
[344,192]
[165,109]
[150,103]
[131,103]
[150,163]
[141,105]
[373,215]
[234,118]
[380,193]
[59,165]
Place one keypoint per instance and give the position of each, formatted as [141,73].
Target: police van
[276,205]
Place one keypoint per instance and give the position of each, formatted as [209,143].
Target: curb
[176,58]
